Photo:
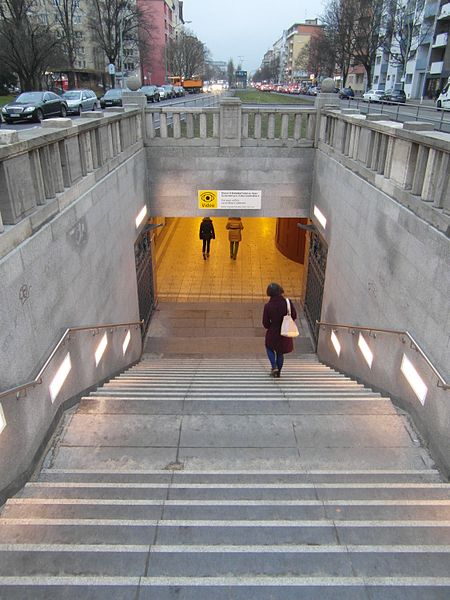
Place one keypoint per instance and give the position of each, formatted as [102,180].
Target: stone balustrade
[407,161]
[44,169]
[231,124]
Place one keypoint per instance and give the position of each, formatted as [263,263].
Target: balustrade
[407,161]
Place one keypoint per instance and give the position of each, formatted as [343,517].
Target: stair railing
[83,358]
[392,362]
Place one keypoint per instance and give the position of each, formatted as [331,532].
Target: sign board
[111,69]
[241,73]
[229,199]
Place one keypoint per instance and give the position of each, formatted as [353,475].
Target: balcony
[441,40]
[436,68]
[445,11]
[427,37]
[431,10]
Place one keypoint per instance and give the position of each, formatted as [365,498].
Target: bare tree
[66,12]
[186,55]
[28,45]
[370,31]
[339,26]
[317,57]
[114,23]
[405,32]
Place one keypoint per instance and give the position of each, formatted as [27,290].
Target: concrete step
[231,510]
[234,478]
[220,532]
[22,560]
[96,404]
[240,491]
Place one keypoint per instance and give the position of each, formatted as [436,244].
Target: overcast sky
[245,28]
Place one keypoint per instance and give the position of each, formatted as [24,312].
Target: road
[191,100]
[439,119]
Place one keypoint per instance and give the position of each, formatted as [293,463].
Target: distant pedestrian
[274,311]
[234,226]
[206,234]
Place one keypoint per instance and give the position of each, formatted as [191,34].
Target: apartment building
[297,36]
[428,67]
[162,21]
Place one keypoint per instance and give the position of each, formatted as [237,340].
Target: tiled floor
[183,275]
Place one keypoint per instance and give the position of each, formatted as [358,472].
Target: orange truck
[191,86]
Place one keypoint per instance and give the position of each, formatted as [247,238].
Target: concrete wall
[79,269]
[76,270]
[395,265]
[175,174]
[388,269]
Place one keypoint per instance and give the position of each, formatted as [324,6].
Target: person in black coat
[206,234]
[277,345]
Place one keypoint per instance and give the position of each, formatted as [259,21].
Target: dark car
[112,98]
[346,93]
[169,90]
[394,96]
[179,91]
[34,106]
[151,91]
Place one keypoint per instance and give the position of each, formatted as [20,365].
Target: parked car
[162,93]
[373,95]
[169,89]
[443,100]
[397,96]
[151,91]
[346,93]
[112,97]
[179,91]
[79,100]
[34,106]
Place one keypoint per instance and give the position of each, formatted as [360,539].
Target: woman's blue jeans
[276,359]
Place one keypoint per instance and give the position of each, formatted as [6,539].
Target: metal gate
[144,274]
[317,264]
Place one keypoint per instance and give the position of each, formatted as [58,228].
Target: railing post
[230,122]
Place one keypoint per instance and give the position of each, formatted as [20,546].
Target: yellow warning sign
[207,198]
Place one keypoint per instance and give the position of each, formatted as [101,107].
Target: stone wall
[175,174]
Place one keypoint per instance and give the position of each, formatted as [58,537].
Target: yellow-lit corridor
[184,276]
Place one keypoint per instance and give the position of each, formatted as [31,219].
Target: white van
[443,100]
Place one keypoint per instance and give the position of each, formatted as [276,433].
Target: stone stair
[205,478]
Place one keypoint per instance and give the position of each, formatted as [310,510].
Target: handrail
[443,383]
[38,379]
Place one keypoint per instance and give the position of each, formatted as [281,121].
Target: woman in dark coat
[274,311]
[206,234]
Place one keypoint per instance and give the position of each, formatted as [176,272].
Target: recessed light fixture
[60,377]
[101,349]
[414,379]
[366,351]
[126,342]
[320,216]
[141,216]
[2,419]
[335,342]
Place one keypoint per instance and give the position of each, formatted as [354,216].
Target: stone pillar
[136,98]
[230,122]
[326,98]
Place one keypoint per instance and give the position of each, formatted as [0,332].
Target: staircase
[205,479]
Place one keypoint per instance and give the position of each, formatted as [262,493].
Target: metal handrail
[38,379]
[442,381]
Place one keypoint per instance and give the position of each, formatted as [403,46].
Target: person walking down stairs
[206,235]
[276,344]
[234,226]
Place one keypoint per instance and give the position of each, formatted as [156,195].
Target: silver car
[80,100]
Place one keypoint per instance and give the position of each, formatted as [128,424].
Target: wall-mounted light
[366,351]
[141,216]
[2,419]
[101,349]
[336,344]
[126,342]
[320,216]
[60,377]
[414,379]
